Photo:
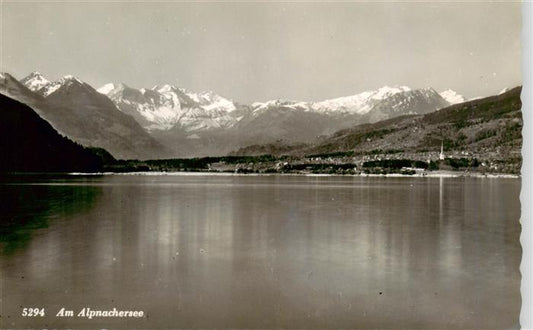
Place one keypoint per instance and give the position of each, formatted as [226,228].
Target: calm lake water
[262,251]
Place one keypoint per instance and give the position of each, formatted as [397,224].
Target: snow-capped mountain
[176,114]
[166,106]
[410,102]
[149,108]
[452,97]
[211,101]
[206,123]
[297,121]
[360,103]
[67,81]
[78,111]
[106,88]
[11,87]
[259,107]
[391,100]
[35,81]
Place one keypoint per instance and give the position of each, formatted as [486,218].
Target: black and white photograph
[262,164]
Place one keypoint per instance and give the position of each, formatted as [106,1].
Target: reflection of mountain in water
[25,208]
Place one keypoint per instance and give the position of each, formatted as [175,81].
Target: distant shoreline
[432,174]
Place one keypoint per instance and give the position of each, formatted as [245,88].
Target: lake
[208,251]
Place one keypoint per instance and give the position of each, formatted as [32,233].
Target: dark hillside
[30,144]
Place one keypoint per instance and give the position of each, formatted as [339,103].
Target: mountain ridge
[361,103]
[77,111]
[190,124]
[488,129]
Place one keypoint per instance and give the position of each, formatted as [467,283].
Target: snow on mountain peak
[51,87]
[387,91]
[359,103]
[212,102]
[201,97]
[355,104]
[70,78]
[105,89]
[452,97]
[35,81]
[261,106]
[164,88]
[165,106]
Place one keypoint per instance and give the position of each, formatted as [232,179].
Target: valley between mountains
[170,128]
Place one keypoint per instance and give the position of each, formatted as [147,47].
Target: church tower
[441,155]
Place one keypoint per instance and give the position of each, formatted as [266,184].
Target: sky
[257,51]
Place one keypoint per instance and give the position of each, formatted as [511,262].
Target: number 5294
[32,312]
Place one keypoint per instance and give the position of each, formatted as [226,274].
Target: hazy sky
[255,51]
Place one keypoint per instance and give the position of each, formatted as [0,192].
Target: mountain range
[79,112]
[487,129]
[167,121]
[490,125]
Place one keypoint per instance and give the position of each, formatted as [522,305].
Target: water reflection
[271,252]
[25,208]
